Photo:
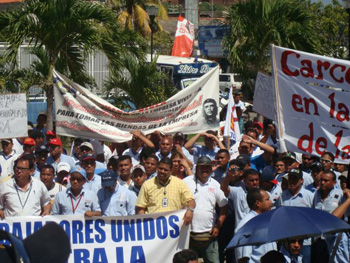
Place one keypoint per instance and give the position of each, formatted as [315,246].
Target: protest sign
[264,96]
[130,239]
[312,96]
[13,116]
[81,113]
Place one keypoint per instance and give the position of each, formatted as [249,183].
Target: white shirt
[107,153]
[206,195]
[127,185]
[7,163]
[135,157]
[332,201]
[17,146]
[17,202]
[56,189]
[254,253]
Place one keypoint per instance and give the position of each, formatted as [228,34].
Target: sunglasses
[325,161]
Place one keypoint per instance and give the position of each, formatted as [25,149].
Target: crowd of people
[220,187]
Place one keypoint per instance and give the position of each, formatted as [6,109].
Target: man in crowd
[208,149]
[29,145]
[87,148]
[223,158]
[114,199]
[63,173]
[124,171]
[76,199]
[93,181]
[56,155]
[7,158]
[38,137]
[316,169]
[47,176]
[205,224]
[269,184]
[297,195]
[22,195]
[137,142]
[151,166]
[139,176]
[165,193]
[238,194]
[178,142]
[165,148]
[259,202]
[41,123]
[41,154]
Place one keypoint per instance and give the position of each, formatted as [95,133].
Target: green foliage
[162,43]
[331,25]
[67,30]
[140,82]
[256,24]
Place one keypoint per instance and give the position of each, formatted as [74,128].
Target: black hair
[250,129]
[124,157]
[167,161]
[253,196]
[211,132]
[42,115]
[185,256]
[329,154]
[26,157]
[273,256]
[334,177]
[250,171]
[48,166]
[146,152]
[223,151]
[153,156]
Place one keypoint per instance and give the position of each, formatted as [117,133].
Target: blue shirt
[94,184]
[302,199]
[332,201]
[121,202]
[201,150]
[63,158]
[66,204]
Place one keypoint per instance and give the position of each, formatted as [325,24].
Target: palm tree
[256,24]
[133,16]
[67,30]
[139,84]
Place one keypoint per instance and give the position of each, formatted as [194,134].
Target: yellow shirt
[153,194]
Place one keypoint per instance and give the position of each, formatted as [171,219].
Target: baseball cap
[55,141]
[51,132]
[29,141]
[79,170]
[244,159]
[179,134]
[41,149]
[63,167]
[290,155]
[139,166]
[7,140]
[88,156]
[108,178]
[316,166]
[258,124]
[87,144]
[294,172]
[267,174]
[204,160]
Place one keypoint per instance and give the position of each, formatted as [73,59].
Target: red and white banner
[184,38]
[231,129]
[312,101]
[80,113]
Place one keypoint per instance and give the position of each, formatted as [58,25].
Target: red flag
[184,38]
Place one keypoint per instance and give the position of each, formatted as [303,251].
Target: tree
[67,30]
[256,24]
[330,22]
[140,84]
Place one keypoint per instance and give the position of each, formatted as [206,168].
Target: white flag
[231,125]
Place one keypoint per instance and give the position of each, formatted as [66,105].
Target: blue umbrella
[287,222]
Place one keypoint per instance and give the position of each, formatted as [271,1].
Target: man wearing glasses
[93,181]
[22,195]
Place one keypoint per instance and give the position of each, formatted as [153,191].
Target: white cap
[63,167]
[139,166]
[86,144]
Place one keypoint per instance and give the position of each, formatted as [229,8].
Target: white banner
[142,238]
[13,114]
[231,129]
[264,96]
[80,113]
[312,95]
